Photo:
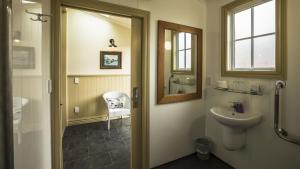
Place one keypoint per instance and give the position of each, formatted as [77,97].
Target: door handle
[135,97]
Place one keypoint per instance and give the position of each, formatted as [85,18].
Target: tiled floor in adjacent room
[92,146]
[192,162]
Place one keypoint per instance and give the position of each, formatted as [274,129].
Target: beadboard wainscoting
[87,96]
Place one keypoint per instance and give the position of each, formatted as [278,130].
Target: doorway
[97,115]
[138,90]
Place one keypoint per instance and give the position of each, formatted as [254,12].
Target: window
[252,37]
[184,51]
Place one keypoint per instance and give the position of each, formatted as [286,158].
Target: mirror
[179,63]
[181,48]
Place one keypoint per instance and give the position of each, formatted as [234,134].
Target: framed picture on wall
[110,60]
[23,57]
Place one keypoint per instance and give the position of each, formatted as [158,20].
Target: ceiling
[122,21]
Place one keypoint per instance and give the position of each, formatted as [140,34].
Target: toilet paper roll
[222,84]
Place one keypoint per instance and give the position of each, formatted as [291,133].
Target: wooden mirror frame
[161,97]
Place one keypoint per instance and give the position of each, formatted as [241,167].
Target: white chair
[117,104]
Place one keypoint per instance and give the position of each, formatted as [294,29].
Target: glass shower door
[31,72]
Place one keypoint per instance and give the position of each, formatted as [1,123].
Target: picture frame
[23,57]
[110,60]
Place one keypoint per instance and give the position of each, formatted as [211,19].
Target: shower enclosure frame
[6,119]
[138,16]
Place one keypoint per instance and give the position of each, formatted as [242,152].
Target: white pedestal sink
[18,104]
[234,125]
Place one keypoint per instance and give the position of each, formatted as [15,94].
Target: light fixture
[112,43]
[27,2]
[17,36]
[168,45]
[106,15]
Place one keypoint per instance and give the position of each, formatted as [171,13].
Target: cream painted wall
[264,150]
[173,127]
[89,34]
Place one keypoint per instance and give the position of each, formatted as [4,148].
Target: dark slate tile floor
[192,162]
[92,146]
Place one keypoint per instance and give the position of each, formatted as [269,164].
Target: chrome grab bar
[281,133]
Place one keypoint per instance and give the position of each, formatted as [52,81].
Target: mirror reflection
[180,62]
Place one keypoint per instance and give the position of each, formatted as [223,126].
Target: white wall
[264,150]
[173,127]
[87,35]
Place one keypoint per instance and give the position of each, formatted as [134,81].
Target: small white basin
[234,119]
[234,126]
[18,104]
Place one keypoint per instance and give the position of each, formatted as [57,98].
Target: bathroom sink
[234,126]
[234,119]
[18,103]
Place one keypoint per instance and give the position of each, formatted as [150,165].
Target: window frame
[174,57]
[227,42]
[185,49]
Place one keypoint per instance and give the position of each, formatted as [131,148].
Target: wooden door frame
[97,6]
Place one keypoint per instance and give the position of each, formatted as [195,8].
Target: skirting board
[90,120]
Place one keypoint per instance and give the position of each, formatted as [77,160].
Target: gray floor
[192,162]
[92,146]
